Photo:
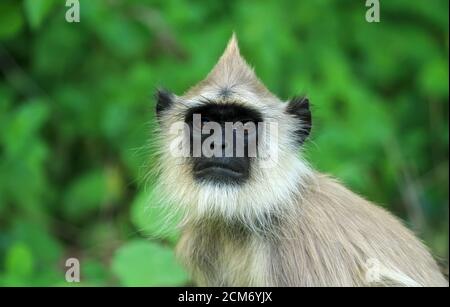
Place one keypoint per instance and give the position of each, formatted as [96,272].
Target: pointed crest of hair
[231,72]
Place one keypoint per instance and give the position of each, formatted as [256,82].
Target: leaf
[85,195]
[37,10]
[93,272]
[112,27]
[45,248]
[143,263]
[19,261]
[11,20]
[434,79]
[24,125]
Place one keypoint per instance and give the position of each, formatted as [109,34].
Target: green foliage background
[76,109]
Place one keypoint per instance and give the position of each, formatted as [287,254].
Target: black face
[232,167]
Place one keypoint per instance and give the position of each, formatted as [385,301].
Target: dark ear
[164,99]
[299,108]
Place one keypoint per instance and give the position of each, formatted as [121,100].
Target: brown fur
[288,225]
[327,241]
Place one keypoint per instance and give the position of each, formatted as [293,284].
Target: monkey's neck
[223,252]
[265,226]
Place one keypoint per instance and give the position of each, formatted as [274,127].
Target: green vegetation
[76,111]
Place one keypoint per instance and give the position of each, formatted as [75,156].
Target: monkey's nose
[224,145]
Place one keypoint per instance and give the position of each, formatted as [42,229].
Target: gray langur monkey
[283,225]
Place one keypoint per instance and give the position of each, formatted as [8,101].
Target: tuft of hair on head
[230,72]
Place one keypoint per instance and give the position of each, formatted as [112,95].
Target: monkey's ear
[299,108]
[164,99]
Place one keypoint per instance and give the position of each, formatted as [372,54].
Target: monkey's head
[229,147]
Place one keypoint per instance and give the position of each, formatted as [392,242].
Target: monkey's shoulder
[336,230]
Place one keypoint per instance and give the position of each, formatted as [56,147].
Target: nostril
[224,145]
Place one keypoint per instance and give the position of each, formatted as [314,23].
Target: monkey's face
[223,142]
[227,154]
[229,147]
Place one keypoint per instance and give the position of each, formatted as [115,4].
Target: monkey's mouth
[221,170]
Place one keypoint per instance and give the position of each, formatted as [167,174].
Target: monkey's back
[337,238]
[333,238]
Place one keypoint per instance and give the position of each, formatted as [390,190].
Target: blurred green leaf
[19,261]
[94,272]
[144,263]
[37,10]
[86,195]
[46,249]
[434,78]
[24,124]
[11,20]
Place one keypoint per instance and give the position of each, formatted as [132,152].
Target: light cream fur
[288,225]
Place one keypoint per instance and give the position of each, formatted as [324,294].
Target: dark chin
[219,175]
[221,171]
